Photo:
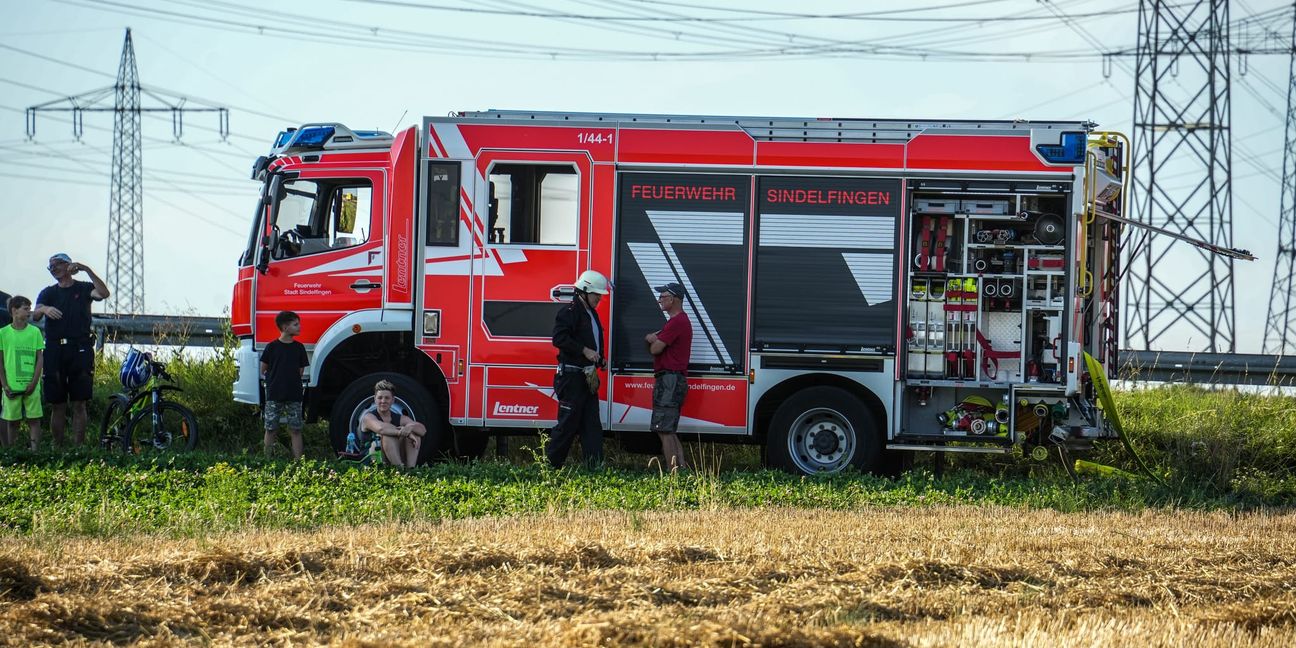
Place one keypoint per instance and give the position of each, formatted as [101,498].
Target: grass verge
[100,495]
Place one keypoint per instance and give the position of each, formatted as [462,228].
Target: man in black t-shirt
[69,347]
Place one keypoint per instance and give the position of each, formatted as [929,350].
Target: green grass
[1215,448]
[93,494]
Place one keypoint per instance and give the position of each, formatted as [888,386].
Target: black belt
[73,340]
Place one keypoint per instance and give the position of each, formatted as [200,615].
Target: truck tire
[410,395]
[821,430]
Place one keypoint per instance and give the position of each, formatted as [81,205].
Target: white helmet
[592,281]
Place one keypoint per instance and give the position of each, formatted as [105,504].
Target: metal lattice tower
[125,271]
[1280,324]
[1179,296]
[126,199]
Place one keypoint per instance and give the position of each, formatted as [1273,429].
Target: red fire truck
[858,288]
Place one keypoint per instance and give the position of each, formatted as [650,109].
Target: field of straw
[960,576]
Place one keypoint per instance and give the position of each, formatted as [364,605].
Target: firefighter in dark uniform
[578,336]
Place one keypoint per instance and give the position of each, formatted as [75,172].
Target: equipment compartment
[986,289]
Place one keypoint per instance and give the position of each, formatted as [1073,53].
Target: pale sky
[378,64]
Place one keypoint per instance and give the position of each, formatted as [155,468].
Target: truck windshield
[320,215]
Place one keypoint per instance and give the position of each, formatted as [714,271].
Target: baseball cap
[61,256]
[672,288]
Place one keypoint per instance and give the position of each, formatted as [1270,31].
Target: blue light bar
[283,137]
[1070,151]
[313,136]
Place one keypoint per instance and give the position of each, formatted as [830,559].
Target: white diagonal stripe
[657,270]
[712,228]
[708,228]
[452,139]
[872,272]
[800,230]
[354,261]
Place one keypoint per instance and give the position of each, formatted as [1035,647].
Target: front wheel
[411,399]
[823,430]
[170,427]
[112,431]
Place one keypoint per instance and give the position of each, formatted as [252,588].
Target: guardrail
[165,330]
[1155,366]
[1208,368]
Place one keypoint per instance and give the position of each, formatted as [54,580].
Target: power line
[87,183]
[83,68]
[220,182]
[752,15]
[359,36]
[157,198]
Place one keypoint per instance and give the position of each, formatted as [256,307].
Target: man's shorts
[69,371]
[17,409]
[668,397]
[276,409]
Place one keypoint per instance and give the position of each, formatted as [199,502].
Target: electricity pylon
[1180,296]
[125,270]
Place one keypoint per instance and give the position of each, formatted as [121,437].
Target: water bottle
[352,444]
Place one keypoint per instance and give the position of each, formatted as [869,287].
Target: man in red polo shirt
[670,348]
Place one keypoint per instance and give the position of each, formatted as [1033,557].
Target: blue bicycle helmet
[135,369]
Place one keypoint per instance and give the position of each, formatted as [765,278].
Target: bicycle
[141,417]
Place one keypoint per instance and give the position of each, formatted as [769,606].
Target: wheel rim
[173,426]
[821,440]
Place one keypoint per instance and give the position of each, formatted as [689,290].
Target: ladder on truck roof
[792,129]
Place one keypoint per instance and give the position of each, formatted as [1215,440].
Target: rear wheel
[171,427]
[410,397]
[823,430]
[112,430]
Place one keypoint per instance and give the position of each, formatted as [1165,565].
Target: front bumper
[247,386]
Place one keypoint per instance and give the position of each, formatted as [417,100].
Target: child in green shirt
[22,356]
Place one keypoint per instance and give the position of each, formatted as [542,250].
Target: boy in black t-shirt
[282,363]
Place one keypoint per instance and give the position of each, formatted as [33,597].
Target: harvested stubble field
[940,576]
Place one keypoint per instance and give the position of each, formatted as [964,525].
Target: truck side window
[534,203]
[320,215]
[443,203]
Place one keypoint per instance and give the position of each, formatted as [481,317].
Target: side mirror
[259,167]
[271,206]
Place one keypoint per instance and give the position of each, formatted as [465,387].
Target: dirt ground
[763,577]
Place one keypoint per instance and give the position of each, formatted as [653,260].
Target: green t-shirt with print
[20,348]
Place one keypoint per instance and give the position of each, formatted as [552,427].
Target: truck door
[691,229]
[325,257]
[534,209]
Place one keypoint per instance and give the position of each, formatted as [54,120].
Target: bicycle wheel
[175,428]
[112,430]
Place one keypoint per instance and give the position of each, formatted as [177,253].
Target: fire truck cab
[857,288]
